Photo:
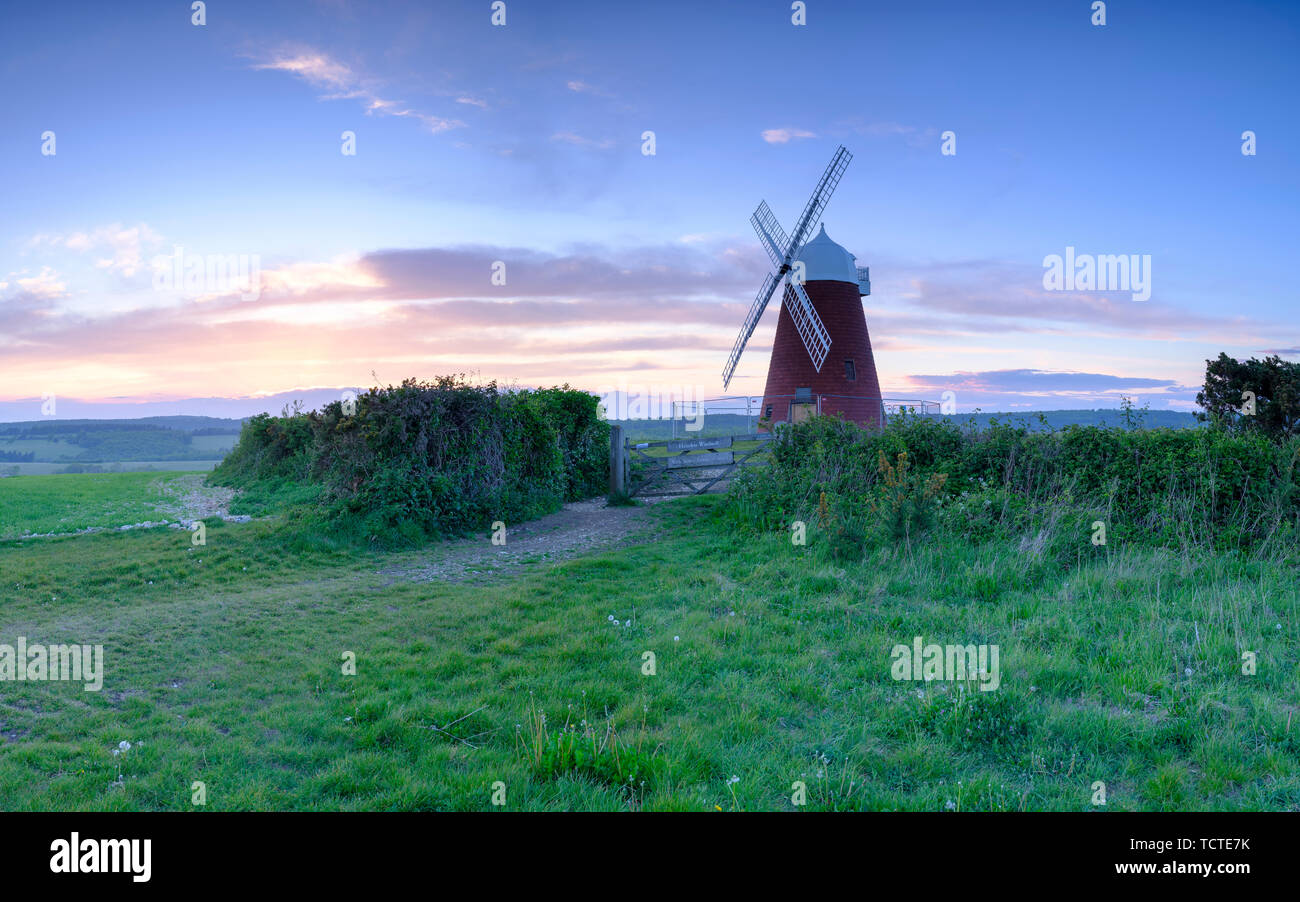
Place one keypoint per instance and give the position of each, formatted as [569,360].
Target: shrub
[1274,385]
[905,505]
[425,459]
[268,448]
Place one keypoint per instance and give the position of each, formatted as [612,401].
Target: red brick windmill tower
[821,359]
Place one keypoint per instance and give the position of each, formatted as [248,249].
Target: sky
[517,150]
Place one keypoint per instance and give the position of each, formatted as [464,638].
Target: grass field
[69,502]
[772,665]
[44,449]
[40,468]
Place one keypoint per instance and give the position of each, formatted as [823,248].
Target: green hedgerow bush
[1177,488]
[269,448]
[430,459]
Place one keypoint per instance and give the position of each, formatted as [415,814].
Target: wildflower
[677,638]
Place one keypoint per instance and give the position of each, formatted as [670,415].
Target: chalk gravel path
[181,501]
[579,528]
[188,498]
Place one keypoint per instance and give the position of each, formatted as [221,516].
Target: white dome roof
[824,259]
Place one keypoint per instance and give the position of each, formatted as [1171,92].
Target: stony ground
[187,499]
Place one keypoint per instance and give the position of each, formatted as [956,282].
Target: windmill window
[768,413]
[850,371]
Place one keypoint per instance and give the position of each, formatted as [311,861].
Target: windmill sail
[755,314]
[820,197]
[783,251]
[807,323]
[770,234]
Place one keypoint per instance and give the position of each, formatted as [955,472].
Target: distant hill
[79,443]
[1057,419]
[207,425]
[166,438]
[716,424]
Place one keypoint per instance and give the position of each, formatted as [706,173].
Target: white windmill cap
[824,259]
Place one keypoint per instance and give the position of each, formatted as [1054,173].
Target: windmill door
[801,410]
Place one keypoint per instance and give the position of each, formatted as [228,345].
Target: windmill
[821,307]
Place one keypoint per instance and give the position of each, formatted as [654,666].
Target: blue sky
[522,144]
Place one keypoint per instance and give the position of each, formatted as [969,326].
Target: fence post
[617,463]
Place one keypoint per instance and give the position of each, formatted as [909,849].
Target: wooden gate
[689,466]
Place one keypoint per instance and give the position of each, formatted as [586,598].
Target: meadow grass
[69,502]
[224,665]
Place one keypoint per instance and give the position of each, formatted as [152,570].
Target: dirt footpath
[581,527]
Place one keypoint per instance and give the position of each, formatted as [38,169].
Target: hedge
[431,459]
[1158,486]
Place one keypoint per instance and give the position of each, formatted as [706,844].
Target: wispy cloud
[913,135]
[588,314]
[580,141]
[313,67]
[785,135]
[1003,389]
[1041,381]
[323,71]
[126,245]
[581,87]
[995,296]
[45,285]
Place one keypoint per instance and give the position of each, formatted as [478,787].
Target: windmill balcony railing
[694,417]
